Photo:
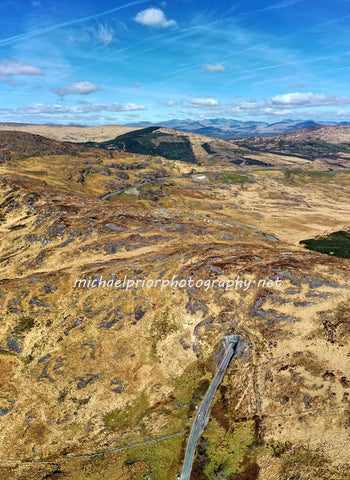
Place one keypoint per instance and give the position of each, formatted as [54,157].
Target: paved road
[167,177]
[118,192]
[202,417]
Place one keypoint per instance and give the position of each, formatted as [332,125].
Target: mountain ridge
[231,129]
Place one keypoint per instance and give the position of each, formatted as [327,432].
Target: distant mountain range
[230,129]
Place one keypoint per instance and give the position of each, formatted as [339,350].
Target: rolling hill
[328,144]
[230,129]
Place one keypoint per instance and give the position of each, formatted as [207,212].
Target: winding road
[202,416]
[151,180]
[118,192]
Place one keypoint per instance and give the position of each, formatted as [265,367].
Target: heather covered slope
[327,145]
[86,371]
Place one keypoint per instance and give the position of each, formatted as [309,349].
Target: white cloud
[99,34]
[104,34]
[308,105]
[136,85]
[154,17]
[170,103]
[115,107]
[248,105]
[204,102]
[42,108]
[219,67]
[309,99]
[8,67]
[79,88]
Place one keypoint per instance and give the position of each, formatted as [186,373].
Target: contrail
[279,6]
[297,62]
[34,33]
[224,59]
[183,33]
[271,67]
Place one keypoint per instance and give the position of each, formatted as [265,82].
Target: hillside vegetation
[104,382]
[149,141]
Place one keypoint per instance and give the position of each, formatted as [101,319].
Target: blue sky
[98,62]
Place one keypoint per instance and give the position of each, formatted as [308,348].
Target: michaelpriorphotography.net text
[175,282]
[174,240]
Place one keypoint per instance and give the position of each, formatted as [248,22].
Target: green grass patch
[301,176]
[236,444]
[188,391]
[7,353]
[227,454]
[26,359]
[123,419]
[304,178]
[25,324]
[163,325]
[155,461]
[232,178]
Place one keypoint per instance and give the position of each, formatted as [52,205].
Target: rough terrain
[103,383]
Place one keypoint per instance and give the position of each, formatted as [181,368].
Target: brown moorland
[103,382]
